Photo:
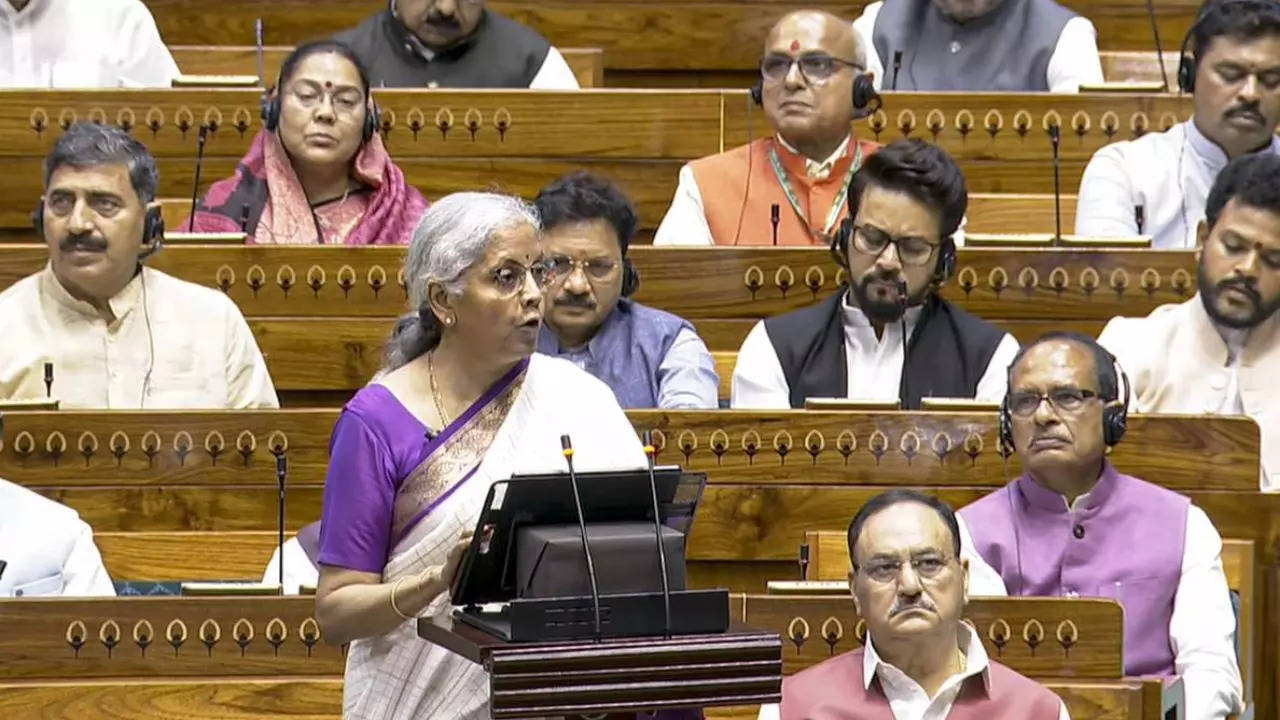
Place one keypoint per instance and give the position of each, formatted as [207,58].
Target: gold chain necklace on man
[435,391]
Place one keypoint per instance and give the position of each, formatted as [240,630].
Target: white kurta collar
[892,679]
[852,317]
[124,301]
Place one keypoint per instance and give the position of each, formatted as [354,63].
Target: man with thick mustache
[114,333]
[889,335]
[1219,352]
[979,45]
[787,188]
[455,44]
[1072,525]
[920,662]
[1157,185]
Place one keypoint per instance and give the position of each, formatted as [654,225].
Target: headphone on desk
[1188,62]
[152,229]
[1115,415]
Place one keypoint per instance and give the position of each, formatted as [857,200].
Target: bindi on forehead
[794,46]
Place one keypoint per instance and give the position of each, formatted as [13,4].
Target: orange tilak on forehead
[795,45]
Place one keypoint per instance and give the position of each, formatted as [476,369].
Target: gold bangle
[394,588]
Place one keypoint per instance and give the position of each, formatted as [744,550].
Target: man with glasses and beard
[1074,526]
[1219,352]
[648,357]
[1157,185]
[787,188]
[456,44]
[890,336]
[910,584]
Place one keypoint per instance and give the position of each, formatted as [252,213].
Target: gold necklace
[435,391]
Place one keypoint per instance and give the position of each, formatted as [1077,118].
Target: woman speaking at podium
[463,402]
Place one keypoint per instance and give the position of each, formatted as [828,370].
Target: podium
[741,666]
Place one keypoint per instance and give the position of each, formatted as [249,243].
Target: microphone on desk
[902,320]
[1139,217]
[1055,136]
[897,65]
[282,471]
[257,41]
[48,380]
[3,564]
[567,448]
[1155,32]
[804,561]
[775,216]
[649,452]
[195,186]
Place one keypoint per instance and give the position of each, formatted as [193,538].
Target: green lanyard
[836,208]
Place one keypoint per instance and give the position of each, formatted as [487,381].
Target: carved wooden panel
[1038,637]
[164,637]
[707,283]
[207,449]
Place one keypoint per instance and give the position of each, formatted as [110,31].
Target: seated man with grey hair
[96,328]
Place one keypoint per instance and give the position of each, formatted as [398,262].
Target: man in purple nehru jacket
[1073,526]
[910,586]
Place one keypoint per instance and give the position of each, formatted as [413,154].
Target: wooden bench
[254,657]
[203,485]
[657,35]
[322,315]
[525,139]
[587,64]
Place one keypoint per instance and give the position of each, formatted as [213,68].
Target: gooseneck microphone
[1140,217]
[3,564]
[902,320]
[804,561]
[567,448]
[282,470]
[897,65]
[657,532]
[257,40]
[1055,135]
[195,186]
[1155,32]
[48,380]
[775,216]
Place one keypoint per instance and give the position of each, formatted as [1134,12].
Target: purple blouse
[376,443]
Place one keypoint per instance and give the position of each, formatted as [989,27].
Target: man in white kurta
[47,549]
[1157,185]
[82,44]
[106,331]
[1219,352]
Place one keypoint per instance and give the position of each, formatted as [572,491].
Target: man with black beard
[455,43]
[1219,352]
[889,336]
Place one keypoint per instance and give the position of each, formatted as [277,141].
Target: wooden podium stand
[741,666]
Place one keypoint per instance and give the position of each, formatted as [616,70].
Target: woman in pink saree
[463,402]
[318,172]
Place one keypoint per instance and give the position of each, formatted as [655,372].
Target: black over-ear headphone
[1115,415]
[630,278]
[152,229]
[1187,63]
[941,271]
[271,113]
[866,101]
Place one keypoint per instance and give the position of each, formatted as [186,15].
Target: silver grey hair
[451,237]
[88,144]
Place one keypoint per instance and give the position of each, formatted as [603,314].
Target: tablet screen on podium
[489,570]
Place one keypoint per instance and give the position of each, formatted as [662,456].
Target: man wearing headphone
[96,328]
[1157,185]
[1072,525]
[787,188]
[650,358]
[888,336]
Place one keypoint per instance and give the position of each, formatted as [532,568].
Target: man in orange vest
[813,84]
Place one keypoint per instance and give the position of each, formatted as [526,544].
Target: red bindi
[328,85]
[795,45]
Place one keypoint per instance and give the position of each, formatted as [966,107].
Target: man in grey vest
[979,46]
[455,43]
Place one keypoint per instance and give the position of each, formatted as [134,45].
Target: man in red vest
[920,661]
[788,188]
